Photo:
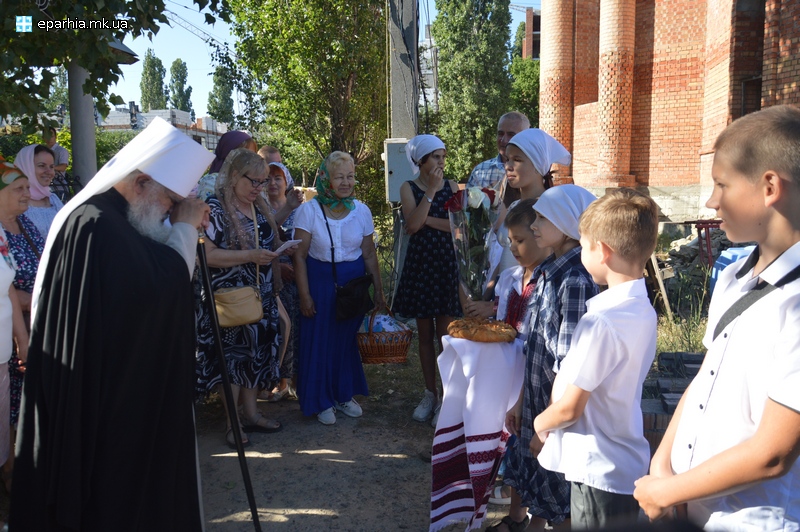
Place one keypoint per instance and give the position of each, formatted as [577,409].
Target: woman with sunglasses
[239,212]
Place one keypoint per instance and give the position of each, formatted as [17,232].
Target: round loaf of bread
[482,330]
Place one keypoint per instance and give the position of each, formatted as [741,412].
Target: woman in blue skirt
[329,369]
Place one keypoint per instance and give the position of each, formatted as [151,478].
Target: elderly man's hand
[193,211]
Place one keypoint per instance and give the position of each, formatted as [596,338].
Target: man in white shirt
[61,153]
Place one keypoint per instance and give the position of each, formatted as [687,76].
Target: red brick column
[557,76]
[615,92]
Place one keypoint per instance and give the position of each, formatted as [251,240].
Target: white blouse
[6,278]
[347,233]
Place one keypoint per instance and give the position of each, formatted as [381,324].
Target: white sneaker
[425,408]
[350,408]
[435,419]
[327,417]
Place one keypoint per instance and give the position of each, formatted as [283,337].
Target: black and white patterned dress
[429,283]
[251,351]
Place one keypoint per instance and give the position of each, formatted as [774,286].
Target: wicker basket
[387,347]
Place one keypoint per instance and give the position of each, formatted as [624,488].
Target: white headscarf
[419,147]
[286,174]
[563,205]
[161,151]
[542,149]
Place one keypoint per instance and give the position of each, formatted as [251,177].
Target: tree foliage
[220,102]
[525,88]
[180,96]
[519,41]
[154,95]
[472,37]
[59,92]
[322,67]
[27,56]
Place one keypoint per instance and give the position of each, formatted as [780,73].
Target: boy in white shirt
[731,448]
[592,432]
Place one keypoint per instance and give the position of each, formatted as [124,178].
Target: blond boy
[592,432]
[731,448]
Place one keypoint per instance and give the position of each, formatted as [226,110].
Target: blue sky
[176,42]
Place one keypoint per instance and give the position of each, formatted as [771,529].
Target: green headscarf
[327,196]
[8,173]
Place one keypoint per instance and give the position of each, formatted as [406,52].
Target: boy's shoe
[435,419]
[327,417]
[425,408]
[350,408]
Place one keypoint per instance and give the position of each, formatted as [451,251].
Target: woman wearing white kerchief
[38,163]
[529,156]
[428,288]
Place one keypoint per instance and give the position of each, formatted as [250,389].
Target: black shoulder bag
[352,299]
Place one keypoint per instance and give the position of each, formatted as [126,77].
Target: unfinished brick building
[638,90]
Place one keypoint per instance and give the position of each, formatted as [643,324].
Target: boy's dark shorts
[593,508]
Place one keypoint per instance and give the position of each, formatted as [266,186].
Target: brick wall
[692,58]
[587,43]
[747,45]
[716,98]
[781,53]
[584,154]
[668,92]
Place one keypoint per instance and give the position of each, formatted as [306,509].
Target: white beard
[147,216]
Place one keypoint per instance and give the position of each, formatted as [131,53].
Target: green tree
[322,63]
[179,94]
[59,92]
[220,102]
[525,88]
[154,94]
[472,37]
[519,41]
[27,57]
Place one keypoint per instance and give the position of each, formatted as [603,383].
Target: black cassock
[107,436]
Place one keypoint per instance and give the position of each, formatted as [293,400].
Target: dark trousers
[593,508]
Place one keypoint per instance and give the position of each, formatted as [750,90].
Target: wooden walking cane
[233,415]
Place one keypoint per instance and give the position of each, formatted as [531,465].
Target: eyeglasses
[254,183]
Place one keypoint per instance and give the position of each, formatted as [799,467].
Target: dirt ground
[368,474]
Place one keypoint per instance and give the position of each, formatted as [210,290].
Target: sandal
[498,497]
[280,395]
[231,440]
[266,428]
[511,525]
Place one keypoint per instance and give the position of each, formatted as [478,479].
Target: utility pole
[404,70]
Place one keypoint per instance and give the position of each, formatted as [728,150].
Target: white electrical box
[398,169]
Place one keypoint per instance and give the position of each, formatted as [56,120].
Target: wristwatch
[430,200]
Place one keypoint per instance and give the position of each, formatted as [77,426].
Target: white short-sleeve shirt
[755,358]
[347,233]
[612,349]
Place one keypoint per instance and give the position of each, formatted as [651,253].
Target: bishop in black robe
[107,438]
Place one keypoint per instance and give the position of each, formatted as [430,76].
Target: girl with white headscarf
[428,288]
[38,163]
[529,156]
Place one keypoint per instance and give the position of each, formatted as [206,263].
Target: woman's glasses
[254,183]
